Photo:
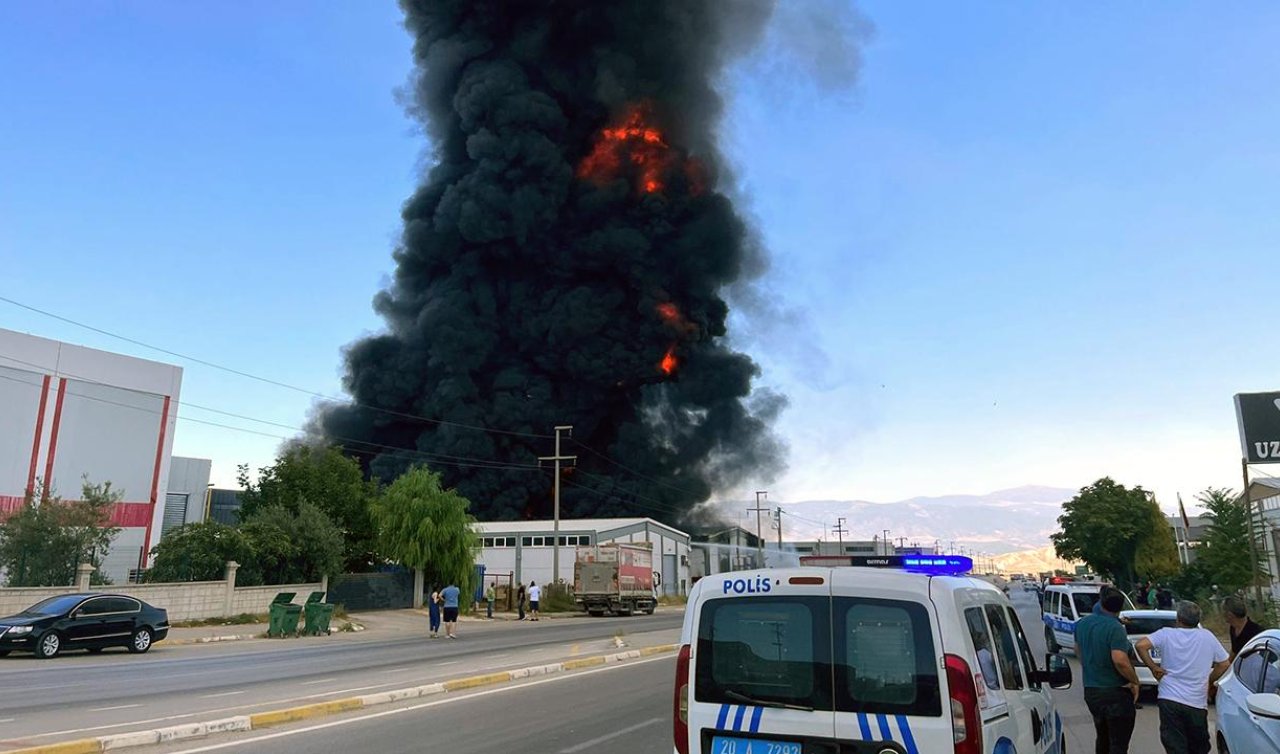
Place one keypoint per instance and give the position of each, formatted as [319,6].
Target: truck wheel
[595,613]
[650,609]
[626,611]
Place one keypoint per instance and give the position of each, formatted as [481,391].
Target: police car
[885,655]
[1064,603]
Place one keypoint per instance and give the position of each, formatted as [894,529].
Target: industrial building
[70,413]
[524,550]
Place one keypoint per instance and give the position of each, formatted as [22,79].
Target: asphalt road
[617,708]
[84,695]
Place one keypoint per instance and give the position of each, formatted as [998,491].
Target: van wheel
[1051,643]
[1222,745]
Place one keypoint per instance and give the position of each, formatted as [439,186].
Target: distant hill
[999,522]
[1039,560]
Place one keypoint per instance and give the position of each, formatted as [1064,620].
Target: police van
[884,655]
[1065,603]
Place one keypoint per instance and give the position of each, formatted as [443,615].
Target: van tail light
[680,713]
[966,725]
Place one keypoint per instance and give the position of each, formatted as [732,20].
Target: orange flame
[637,142]
[669,363]
[669,312]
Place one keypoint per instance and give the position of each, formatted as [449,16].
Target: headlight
[19,630]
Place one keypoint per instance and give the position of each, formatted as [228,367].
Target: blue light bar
[931,564]
[937,563]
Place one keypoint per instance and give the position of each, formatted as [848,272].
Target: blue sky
[1032,243]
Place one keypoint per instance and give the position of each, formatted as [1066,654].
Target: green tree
[1156,558]
[42,543]
[199,552]
[1104,526]
[1224,552]
[294,546]
[422,525]
[326,478]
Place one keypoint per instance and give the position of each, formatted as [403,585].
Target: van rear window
[771,649]
[885,658]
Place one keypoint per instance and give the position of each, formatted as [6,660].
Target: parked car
[1139,624]
[1248,704]
[83,621]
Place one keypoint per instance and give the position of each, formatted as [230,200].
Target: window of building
[487,542]
[526,541]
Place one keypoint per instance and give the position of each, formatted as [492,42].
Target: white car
[1065,603]
[1139,624]
[1248,705]
[909,656]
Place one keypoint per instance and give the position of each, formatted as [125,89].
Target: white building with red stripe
[68,412]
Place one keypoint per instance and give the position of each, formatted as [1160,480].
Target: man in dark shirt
[1110,682]
[1240,627]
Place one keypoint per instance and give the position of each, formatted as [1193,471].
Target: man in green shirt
[1110,683]
[490,594]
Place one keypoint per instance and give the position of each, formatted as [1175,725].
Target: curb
[267,719]
[210,639]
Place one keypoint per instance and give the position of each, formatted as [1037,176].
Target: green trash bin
[318,615]
[284,615]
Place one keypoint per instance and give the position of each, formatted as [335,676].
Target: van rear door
[887,664]
[762,663]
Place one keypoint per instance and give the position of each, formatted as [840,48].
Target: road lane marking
[119,706]
[442,664]
[399,670]
[8,720]
[595,741]
[315,683]
[225,693]
[415,707]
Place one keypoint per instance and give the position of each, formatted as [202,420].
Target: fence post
[419,586]
[229,599]
[324,586]
[83,572]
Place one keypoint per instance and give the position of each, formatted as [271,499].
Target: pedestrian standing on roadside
[450,597]
[433,613]
[490,596]
[1239,626]
[535,593]
[520,601]
[1110,682]
[1191,659]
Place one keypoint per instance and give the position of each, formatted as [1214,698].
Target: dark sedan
[83,621]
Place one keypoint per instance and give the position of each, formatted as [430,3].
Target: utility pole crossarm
[760,508]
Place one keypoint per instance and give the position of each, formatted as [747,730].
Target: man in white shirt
[1191,658]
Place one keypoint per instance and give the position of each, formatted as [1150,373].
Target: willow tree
[422,525]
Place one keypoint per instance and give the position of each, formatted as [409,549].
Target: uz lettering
[1267,449]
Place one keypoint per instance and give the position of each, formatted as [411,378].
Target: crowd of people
[1191,661]
[442,606]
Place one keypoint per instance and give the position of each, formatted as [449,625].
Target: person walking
[490,596]
[449,596]
[1240,628]
[520,601]
[535,593]
[1190,660]
[1110,682]
[433,614]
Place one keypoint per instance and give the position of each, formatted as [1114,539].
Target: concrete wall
[194,600]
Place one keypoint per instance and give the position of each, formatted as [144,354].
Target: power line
[448,460]
[266,380]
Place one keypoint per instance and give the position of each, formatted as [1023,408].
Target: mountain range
[999,522]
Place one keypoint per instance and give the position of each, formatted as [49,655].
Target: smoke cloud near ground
[564,262]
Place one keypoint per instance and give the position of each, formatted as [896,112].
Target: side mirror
[1057,672]
[1264,705]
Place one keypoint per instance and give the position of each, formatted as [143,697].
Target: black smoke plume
[564,263]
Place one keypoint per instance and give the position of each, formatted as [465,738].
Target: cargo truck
[616,577]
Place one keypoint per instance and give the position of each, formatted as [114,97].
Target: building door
[670,574]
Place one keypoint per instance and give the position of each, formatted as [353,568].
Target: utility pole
[760,496]
[888,543]
[1253,545]
[777,514]
[557,458]
[840,532]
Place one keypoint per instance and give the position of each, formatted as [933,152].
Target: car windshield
[1084,602]
[53,605]
[1135,626]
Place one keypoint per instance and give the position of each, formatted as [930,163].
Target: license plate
[727,745]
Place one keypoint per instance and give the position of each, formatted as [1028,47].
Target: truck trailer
[616,577]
